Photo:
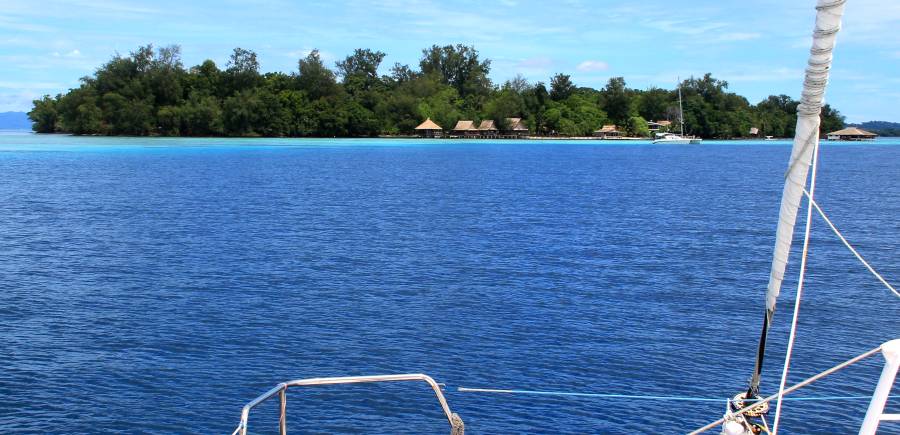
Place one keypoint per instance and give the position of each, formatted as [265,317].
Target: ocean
[158,285]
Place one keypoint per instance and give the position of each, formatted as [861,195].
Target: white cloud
[738,36]
[804,42]
[539,63]
[108,6]
[684,27]
[73,53]
[297,54]
[17,102]
[12,24]
[592,66]
[870,21]
[18,85]
[302,53]
[770,75]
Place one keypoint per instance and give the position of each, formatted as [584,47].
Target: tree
[79,113]
[44,116]
[584,114]
[637,126]
[149,92]
[536,99]
[241,113]
[653,103]
[169,120]
[618,103]
[242,71]
[123,116]
[201,116]
[832,120]
[165,76]
[402,74]
[458,66]
[561,87]
[243,62]
[143,58]
[315,78]
[505,104]
[204,79]
[363,63]
[517,84]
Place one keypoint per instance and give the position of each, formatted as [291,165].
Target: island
[151,93]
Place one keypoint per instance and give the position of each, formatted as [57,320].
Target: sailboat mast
[680,108]
[806,140]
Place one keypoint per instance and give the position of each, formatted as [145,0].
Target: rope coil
[831,5]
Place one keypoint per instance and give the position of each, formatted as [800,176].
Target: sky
[759,47]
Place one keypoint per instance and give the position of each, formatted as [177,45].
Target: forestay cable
[643,397]
[849,246]
[800,281]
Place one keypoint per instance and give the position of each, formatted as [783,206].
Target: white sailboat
[672,138]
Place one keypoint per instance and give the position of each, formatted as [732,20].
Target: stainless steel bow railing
[456,424]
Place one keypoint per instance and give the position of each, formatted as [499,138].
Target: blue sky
[759,47]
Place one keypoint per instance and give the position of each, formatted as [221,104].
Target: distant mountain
[881,128]
[14,121]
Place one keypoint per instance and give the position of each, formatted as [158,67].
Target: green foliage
[44,116]
[655,103]
[315,78]
[122,116]
[505,104]
[777,116]
[832,120]
[561,87]
[458,66]
[637,126]
[79,113]
[361,66]
[150,92]
[881,128]
[619,101]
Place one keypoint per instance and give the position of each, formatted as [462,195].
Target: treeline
[881,128]
[150,92]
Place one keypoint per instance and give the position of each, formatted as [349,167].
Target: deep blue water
[157,285]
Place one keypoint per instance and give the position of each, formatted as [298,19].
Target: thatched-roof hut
[515,127]
[465,129]
[851,133]
[488,128]
[429,129]
[655,126]
[608,131]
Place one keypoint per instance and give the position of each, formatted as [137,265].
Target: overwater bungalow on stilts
[851,133]
[430,129]
[465,129]
[488,129]
[515,128]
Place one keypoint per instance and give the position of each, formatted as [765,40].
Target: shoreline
[9,132]
[394,137]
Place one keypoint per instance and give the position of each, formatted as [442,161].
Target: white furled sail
[806,139]
[828,22]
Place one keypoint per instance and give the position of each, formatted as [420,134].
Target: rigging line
[793,388]
[640,397]
[850,247]
[803,260]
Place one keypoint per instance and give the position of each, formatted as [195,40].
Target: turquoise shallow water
[157,285]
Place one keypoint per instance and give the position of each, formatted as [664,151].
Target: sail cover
[828,22]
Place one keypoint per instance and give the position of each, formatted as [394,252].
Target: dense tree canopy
[150,92]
